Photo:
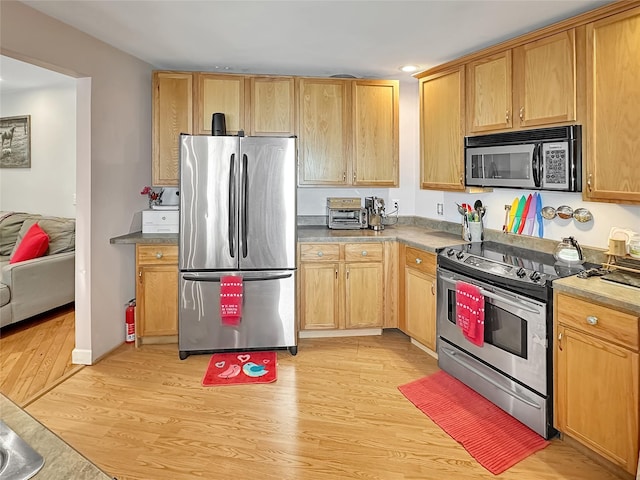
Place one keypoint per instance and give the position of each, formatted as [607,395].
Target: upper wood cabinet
[172,115]
[375,133]
[489,93]
[348,131]
[220,94]
[271,106]
[613,113]
[442,130]
[544,85]
[528,86]
[324,116]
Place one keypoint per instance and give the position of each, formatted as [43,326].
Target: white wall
[49,186]
[113,161]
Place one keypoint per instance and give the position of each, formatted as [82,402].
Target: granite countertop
[601,291]
[420,237]
[60,460]
[146,238]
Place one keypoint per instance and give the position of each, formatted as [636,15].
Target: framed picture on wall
[16,142]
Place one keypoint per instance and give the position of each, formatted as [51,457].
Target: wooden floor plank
[335,412]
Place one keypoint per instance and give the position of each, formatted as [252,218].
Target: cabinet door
[363,295]
[375,133]
[220,94]
[319,296]
[597,396]
[420,306]
[157,300]
[613,116]
[442,130]
[545,81]
[489,93]
[271,106]
[324,129]
[172,115]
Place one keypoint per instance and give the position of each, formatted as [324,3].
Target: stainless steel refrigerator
[237,217]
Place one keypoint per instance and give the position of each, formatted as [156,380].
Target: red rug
[241,368]
[492,436]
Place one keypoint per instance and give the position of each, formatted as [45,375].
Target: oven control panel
[518,270]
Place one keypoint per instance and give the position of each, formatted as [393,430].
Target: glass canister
[634,246]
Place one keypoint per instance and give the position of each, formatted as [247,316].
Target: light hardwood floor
[334,413]
[35,354]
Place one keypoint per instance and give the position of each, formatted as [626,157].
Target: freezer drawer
[268,313]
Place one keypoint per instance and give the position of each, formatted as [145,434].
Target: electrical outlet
[395,203]
[440,208]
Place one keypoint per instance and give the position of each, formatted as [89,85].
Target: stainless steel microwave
[541,159]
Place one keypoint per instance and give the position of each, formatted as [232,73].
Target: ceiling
[363,38]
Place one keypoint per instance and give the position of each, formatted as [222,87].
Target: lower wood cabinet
[341,285]
[596,380]
[418,295]
[156,293]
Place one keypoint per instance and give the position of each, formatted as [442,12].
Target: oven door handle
[500,298]
[452,354]
[508,302]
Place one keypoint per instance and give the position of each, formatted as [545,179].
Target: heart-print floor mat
[239,368]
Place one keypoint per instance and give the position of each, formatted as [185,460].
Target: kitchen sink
[18,461]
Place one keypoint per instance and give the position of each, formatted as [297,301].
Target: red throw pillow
[34,244]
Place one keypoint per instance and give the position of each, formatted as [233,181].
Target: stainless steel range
[513,368]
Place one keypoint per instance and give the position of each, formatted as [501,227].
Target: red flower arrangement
[154,196]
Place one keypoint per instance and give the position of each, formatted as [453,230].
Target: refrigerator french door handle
[232,207]
[218,278]
[244,205]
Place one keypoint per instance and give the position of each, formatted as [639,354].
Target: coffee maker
[375,212]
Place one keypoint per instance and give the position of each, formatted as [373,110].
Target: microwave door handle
[536,164]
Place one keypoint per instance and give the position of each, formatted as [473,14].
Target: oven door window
[502,329]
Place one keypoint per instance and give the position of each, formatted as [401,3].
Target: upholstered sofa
[33,286]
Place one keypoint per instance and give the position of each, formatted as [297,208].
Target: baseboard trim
[81,357]
[424,349]
[359,332]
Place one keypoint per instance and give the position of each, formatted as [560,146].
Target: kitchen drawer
[609,324]
[319,252]
[420,260]
[157,254]
[363,252]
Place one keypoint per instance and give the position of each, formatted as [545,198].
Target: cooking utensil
[507,209]
[518,218]
[525,213]
[461,209]
[582,215]
[539,216]
[512,213]
[531,214]
[549,213]
[564,211]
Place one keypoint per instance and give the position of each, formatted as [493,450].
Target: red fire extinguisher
[130,322]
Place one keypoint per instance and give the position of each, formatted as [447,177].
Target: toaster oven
[347,218]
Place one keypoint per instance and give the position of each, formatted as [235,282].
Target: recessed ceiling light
[409,68]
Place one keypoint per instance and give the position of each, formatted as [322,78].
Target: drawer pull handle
[320,253]
[159,255]
[592,320]
[418,261]
[364,253]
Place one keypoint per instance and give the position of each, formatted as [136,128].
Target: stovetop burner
[506,264]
